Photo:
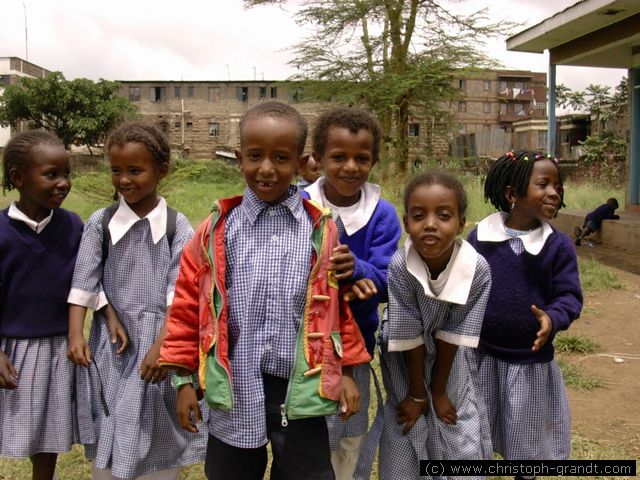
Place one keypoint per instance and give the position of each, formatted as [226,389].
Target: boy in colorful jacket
[257,312]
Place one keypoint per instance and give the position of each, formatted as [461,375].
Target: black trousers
[300,450]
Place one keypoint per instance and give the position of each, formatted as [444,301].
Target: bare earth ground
[612,412]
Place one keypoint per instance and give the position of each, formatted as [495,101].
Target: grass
[567,343]
[595,277]
[576,379]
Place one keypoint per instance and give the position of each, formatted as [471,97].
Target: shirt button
[272,212]
[275,238]
[267,348]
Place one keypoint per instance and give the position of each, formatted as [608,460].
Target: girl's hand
[363,289]
[408,412]
[349,395]
[116,329]
[150,370]
[8,374]
[78,350]
[342,262]
[545,328]
[188,410]
[444,408]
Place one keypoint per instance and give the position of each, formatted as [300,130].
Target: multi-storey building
[12,68]
[202,117]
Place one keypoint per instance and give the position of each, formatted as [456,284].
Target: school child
[536,293]
[438,290]
[346,141]
[309,172]
[38,246]
[258,315]
[593,220]
[128,425]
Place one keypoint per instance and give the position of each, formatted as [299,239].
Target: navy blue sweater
[603,212]
[548,280]
[35,275]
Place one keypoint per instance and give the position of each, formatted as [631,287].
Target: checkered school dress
[411,314]
[141,433]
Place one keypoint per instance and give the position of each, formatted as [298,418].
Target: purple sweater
[548,280]
[603,212]
[35,275]
[372,246]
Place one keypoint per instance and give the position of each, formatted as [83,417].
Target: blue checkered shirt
[268,255]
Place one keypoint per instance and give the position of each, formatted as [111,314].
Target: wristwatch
[179,380]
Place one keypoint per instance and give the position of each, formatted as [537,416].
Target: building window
[177,124]
[190,91]
[189,125]
[503,86]
[134,94]
[158,94]
[214,129]
[274,92]
[518,109]
[214,94]
[503,109]
[462,107]
[542,139]
[263,92]
[486,107]
[242,94]
[522,140]
[462,84]
[486,85]
[414,130]
[518,85]
[176,92]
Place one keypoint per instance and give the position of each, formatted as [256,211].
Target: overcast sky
[211,39]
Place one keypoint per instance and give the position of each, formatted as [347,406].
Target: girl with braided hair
[126,272]
[535,293]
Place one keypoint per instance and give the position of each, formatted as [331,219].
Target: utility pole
[26,37]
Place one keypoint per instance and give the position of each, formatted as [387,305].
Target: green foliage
[576,379]
[80,111]
[602,155]
[567,343]
[595,277]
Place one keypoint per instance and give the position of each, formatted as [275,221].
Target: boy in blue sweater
[593,220]
[346,142]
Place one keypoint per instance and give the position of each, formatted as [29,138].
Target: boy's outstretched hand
[545,328]
[8,374]
[363,289]
[342,262]
[188,409]
[349,395]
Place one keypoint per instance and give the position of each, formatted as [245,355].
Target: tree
[80,111]
[400,58]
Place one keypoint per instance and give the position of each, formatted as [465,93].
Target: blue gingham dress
[528,404]
[412,313]
[141,434]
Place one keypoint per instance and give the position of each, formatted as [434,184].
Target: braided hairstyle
[513,169]
[145,134]
[277,110]
[353,119]
[438,177]
[17,153]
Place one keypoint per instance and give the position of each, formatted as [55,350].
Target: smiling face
[311,170]
[44,182]
[135,174]
[269,157]
[542,201]
[347,160]
[433,222]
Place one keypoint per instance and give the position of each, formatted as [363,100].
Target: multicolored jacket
[197,335]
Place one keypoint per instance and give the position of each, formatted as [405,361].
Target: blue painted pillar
[634,136]
[551,110]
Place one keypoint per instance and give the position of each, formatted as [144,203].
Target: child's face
[44,182]
[346,161]
[269,156]
[311,170]
[135,175]
[543,197]
[433,222]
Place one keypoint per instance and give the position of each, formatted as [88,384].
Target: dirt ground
[612,318]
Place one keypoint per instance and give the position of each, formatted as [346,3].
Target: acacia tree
[80,111]
[400,58]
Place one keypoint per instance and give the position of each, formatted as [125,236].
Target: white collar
[458,286]
[355,218]
[16,214]
[124,218]
[492,229]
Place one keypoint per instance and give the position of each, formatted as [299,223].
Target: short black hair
[513,169]
[613,202]
[17,152]
[278,110]
[352,118]
[145,134]
[438,177]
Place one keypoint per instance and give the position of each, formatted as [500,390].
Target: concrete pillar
[551,110]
